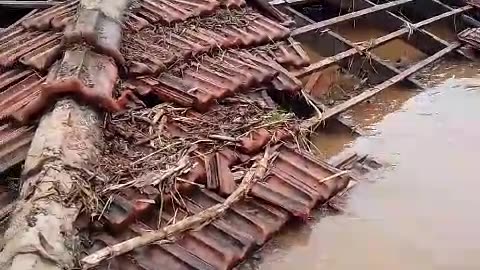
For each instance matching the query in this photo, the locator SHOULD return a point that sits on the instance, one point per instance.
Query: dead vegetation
(153, 146)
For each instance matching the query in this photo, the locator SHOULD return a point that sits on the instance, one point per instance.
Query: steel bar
(371, 44)
(334, 111)
(346, 17)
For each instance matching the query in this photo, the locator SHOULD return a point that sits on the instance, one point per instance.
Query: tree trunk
(40, 235)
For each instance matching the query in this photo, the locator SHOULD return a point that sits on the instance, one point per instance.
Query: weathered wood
(40, 233)
(289, 2)
(466, 19)
(29, 4)
(380, 87)
(374, 43)
(348, 16)
(382, 69)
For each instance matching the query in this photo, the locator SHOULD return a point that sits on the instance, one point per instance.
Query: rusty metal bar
(334, 111)
(288, 2)
(346, 17)
(371, 44)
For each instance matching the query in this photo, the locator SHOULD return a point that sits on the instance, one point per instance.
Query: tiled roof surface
(165, 45)
(293, 187)
(191, 53)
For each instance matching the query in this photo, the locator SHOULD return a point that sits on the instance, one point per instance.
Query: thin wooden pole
(374, 43)
(380, 87)
(346, 17)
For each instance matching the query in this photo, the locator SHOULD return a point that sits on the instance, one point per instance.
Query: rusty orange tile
(43, 19)
(14, 145)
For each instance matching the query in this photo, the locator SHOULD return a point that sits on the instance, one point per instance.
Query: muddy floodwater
(417, 212)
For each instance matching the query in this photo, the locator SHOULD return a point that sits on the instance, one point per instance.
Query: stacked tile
(56, 17)
(32, 48)
(294, 185)
(470, 36)
(217, 77)
(164, 45)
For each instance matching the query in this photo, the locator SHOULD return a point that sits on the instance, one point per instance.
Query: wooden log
(40, 229)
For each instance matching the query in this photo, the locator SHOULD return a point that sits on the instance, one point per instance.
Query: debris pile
(192, 120)
(170, 131)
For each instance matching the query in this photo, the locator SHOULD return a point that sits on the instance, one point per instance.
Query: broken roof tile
(25, 42)
(21, 88)
(226, 241)
(14, 145)
(56, 16)
(290, 54)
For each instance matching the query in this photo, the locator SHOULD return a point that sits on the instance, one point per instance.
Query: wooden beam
(466, 19)
(334, 111)
(289, 2)
(432, 36)
(28, 4)
(382, 69)
(371, 44)
(346, 17)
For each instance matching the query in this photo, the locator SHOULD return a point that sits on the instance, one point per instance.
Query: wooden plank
(432, 36)
(346, 17)
(289, 2)
(28, 4)
(382, 68)
(466, 19)
(374, 43)
(334, 111)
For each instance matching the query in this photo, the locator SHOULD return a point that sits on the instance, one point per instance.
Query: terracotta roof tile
(20, 87)
(30, 43)
(55, 17)
(249, 223)
(471, 36)
(14, 145)
(165, 45)
(170, 11)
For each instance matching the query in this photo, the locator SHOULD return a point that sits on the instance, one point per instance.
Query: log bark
(40, 235)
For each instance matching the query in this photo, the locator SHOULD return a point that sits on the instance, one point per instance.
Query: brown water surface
(420, 211)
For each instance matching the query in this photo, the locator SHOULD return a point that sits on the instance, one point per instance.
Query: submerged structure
(174, 133)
